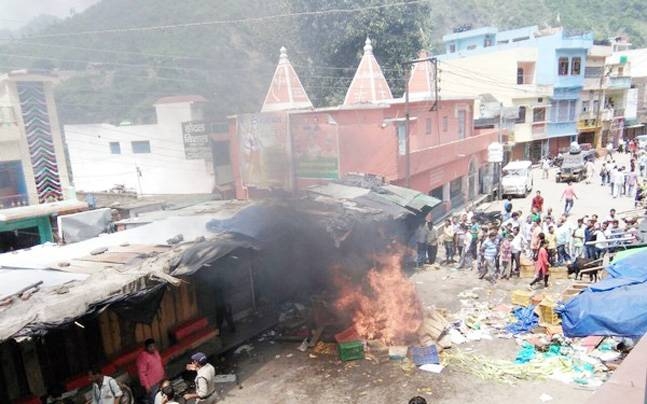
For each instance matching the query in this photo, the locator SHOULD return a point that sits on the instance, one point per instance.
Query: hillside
(117, 75)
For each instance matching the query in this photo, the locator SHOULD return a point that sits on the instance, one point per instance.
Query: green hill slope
(115, 76)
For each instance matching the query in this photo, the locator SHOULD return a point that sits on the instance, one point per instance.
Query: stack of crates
(546, 312)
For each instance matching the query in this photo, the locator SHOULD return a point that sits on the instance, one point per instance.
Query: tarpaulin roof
(80, 278)
(117, 268)
(391, 199)
(630, 266)
(13, 281)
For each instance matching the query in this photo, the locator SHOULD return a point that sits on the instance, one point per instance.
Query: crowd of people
(152, 377)
(494, 249)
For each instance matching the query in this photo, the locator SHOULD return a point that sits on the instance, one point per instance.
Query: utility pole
(598, 119)
(407, 113)
(138, 171)
(407, 119)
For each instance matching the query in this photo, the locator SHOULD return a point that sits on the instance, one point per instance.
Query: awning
(410, 198)
(44, 209)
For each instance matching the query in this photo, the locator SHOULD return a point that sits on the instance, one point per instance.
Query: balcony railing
(12, 201)
(618, 112)
(619, 82)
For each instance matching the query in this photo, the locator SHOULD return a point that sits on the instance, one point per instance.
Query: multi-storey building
(540, 72)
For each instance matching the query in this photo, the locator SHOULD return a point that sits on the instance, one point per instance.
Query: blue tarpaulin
(614, 306)
(527, 320)
(631, 266)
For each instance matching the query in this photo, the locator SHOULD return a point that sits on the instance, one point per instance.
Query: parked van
(517, 178)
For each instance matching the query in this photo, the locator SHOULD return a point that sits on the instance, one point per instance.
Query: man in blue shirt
(489, 252)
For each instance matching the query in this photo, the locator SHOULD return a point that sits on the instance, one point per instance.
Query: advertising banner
(315, 146)
(196, 140)
(263, 150)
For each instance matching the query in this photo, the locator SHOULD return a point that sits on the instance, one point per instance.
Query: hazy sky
(16, 13)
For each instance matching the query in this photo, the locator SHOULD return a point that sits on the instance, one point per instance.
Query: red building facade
(296, 147)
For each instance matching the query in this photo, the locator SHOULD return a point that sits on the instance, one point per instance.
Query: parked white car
(517, 178)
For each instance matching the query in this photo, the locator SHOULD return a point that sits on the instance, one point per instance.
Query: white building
(172, 156)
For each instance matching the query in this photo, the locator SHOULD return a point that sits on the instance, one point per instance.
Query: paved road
(593, 198)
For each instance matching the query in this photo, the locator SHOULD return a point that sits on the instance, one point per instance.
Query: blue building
(540, 72)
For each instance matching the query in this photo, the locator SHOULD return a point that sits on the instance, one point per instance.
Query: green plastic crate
(350, 351)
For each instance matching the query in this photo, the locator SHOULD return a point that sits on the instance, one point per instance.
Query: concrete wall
(163, 171)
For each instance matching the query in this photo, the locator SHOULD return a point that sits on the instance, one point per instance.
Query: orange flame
(385, 305)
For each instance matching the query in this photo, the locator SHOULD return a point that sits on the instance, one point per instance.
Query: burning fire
(384, 305)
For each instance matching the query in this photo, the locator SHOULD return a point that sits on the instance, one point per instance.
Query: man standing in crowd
(537, 203)
(150, 369)
(590, 171)
(507, 209)
(432, 243)
(448, 241)
(562, 241)
(516, 247)
(421, 244)
(489, 252)
(105, 389)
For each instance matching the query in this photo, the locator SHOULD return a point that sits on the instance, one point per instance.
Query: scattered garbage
(243, 348)
(432, 367)
(527, 320)
(424, 355)
(228, 378)
(545, 397)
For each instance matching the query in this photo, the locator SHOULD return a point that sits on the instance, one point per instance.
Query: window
(461, 123)
(456, 187)
(563, 111)
(522, 115)
(141, 147)
(437, 193)
(445, 124)
(428, 126)
(576, 66)
(519, 75)
(572, 109)
(585, 106)
(539, 114)
(115, 148)
(487, 42)
(452, 48)
(563, 66)
(470, 47)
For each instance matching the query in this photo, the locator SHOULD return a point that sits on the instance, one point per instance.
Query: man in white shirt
(516, 246)
(205, 385)
(105, 389)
